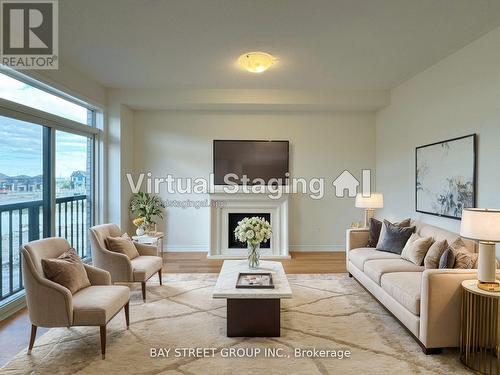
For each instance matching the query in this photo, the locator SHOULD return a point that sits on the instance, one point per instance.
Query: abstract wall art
(445, 177)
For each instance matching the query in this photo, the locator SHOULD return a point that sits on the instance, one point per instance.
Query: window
(19, 92)
(47, 174)
(74, 189)
(21, 196)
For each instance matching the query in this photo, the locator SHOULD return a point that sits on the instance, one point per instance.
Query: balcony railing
(23, 222)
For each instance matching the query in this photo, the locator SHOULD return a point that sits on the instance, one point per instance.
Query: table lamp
(375, 200)
(483, 224)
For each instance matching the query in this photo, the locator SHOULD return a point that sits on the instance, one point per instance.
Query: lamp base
(490, 286)
(369, 213)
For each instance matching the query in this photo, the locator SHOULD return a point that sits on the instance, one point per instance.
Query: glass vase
(253, 255)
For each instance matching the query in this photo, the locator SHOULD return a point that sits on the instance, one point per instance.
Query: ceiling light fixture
(256, 62)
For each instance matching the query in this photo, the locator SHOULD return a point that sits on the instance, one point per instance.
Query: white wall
(321, 145)
(458, 96)
(120, 149)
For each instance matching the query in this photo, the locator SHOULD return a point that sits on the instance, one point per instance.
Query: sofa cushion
(358, 257)
(404, 287)
(96, 305)
(374, 269)
(144, 266)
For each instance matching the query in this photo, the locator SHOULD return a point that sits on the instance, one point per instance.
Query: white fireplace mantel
(223, 203)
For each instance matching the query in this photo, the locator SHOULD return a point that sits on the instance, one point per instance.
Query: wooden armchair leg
(103, 341)
(159, 275)
(127, 317)
(32, 338)
(143, 285)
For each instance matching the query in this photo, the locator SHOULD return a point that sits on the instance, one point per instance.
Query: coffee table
(252, 312)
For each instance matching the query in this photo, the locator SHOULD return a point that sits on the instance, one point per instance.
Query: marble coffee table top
(226, 283)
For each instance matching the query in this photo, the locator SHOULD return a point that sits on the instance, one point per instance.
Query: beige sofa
(426, 302)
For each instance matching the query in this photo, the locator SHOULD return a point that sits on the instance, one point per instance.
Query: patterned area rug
(330, 312)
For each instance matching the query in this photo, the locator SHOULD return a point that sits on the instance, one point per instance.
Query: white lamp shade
(375, 200)
(480, 224)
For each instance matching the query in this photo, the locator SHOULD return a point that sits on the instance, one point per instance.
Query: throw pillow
(464, 259)
(374, 232)
(394, 238)
(122, 246)
(432, 257)
(416, 248)
(381, 233)
(67, 270)
(447, 260)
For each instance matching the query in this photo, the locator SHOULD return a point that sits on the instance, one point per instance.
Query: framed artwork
(445, 177)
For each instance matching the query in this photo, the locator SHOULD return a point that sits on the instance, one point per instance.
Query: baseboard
(185, 248)
(317, 248)
(296, 248)
(12, 305)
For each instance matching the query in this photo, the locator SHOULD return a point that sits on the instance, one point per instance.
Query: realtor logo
(29, 31)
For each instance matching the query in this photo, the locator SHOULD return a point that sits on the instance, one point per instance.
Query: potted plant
(253, 231)
(148, 207)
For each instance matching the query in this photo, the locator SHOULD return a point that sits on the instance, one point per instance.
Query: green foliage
(148, 206)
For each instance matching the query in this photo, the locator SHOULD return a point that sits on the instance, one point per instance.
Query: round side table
(480, 329)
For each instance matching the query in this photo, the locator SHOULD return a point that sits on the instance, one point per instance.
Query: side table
(155, 239)
(480, 329)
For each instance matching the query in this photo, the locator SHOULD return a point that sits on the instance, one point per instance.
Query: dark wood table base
(253, 317)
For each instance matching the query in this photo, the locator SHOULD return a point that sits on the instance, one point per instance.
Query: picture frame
(446, 177)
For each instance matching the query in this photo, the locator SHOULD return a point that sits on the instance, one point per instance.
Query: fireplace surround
(226, 208)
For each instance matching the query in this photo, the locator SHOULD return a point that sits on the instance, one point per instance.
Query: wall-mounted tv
(256, 159)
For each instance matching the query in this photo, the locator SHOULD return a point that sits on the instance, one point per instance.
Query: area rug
(328, 312)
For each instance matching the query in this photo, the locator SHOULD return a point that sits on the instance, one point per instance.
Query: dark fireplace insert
(233, 219)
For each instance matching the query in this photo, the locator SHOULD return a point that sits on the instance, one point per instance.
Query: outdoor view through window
(25, 173)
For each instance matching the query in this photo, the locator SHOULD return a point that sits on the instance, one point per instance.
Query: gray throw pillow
(374, 232)
(447, 259)
(394, 238)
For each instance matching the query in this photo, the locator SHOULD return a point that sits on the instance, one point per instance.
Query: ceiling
(320, 44)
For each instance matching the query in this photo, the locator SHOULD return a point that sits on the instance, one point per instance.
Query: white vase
(140, 231)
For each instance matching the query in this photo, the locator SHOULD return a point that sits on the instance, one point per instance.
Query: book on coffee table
(255, 280)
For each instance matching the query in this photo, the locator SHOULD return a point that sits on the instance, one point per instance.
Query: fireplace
(226, 209)
(232, 223)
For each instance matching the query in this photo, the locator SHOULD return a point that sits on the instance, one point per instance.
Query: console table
(480, 329)
(252, 312)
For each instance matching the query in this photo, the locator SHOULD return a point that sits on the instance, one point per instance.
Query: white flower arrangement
(253, 230)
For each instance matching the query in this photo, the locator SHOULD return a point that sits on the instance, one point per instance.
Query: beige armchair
(52, 305)
(121, 268)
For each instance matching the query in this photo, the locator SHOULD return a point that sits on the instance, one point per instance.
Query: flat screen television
(255, 159)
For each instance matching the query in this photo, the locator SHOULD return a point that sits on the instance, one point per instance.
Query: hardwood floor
(301, 262)
(15, 331)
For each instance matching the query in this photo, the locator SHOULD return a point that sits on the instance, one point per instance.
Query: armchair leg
(159, 276)
(143, 285)
(32, 338)
(127, 319)
(103, 341)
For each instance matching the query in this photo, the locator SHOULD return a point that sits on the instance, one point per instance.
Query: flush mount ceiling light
(256, 62)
